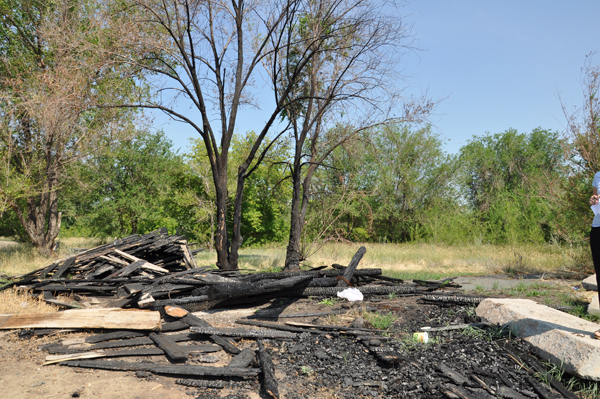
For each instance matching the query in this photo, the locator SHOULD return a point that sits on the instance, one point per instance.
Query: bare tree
(350, 85)
(209, 53)
(50, 85)
(583, 123)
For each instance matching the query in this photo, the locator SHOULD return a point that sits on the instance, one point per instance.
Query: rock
(359, 322)
(321, 354)
(590, 283)
(374, 342)
(594, 307)
(561, 338)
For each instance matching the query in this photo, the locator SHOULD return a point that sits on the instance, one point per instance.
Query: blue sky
(498, 64)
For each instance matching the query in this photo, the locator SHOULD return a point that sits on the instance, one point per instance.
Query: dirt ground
(23, 376)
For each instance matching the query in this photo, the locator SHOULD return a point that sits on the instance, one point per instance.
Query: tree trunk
(300, 199)
(43, 220)
(237, 239)
(221, 237)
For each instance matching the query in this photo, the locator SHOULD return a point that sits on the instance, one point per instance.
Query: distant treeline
(389, 184)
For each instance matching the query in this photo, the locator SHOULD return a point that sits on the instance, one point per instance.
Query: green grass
(329, 301)
(381, 321)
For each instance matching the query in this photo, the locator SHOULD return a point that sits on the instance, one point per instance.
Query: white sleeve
(596, 181)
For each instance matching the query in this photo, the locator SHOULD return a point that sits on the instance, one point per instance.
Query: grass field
(425, 261)
(406, 261)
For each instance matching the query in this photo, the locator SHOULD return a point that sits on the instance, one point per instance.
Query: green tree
(135, 186)
(505, 178)
(52, 83)
(266, 196)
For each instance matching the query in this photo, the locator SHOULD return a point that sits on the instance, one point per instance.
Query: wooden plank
(171, 349)
(131, 319)
(174, 369)
(187, 257)
(147, 265)
(326, 327)
(63, 268)
(344, 280)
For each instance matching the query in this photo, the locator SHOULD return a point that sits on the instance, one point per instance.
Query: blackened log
(181, 301)
(239, 290)
(213, 384)
(453, 299)
(277, 326)
(272, 315)
(192, 320)
(269, 381)
(323, 282)
(173, 369)
(63, 268)
(243, 359)
(204, 348)
(118, 344)
(93, 339)
(349, 272)
(328, 327)
(447, 372)
(227, 346)
(244, 333)
(331, 291)
(169, 346)
(390, 279)
(314, 273)
(177, 325)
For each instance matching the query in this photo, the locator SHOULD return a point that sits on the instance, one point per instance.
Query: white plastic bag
(351, 294)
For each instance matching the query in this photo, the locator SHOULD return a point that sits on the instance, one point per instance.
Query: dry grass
(15, 301)
(17, 258)
(423, 260)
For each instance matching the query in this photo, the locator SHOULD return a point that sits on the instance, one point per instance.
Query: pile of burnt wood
(155, 270)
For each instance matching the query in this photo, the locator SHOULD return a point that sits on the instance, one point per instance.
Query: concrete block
(556, 336)
(593, 307)
(590, 283)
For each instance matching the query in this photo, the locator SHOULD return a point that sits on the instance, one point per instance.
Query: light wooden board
(112, 318)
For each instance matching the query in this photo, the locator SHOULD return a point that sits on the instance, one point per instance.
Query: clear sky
(498, 64)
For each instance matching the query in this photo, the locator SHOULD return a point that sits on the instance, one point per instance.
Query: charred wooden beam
(344, 280)
(269, 381)
(171, 349)
(244, 333)
(173, 369)
(227, 346)
(243, 359)
(213, 384)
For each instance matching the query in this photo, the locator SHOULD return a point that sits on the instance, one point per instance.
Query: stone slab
(564, 339)
(593, 307)
(590, 283)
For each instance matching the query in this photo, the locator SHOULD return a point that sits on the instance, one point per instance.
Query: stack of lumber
(155, 270)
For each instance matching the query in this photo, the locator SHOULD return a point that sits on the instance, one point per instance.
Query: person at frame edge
(595, 236)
